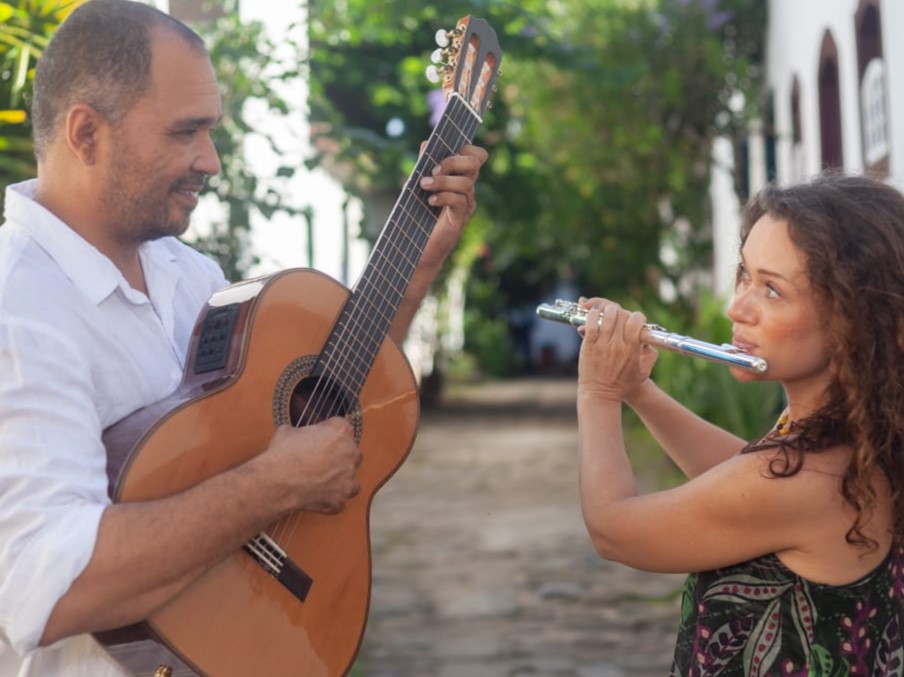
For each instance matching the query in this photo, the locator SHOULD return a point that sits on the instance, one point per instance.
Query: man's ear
(84, 128)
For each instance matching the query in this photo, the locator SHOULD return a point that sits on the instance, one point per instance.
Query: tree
(600, 136)
(25, 29)
(629, 123)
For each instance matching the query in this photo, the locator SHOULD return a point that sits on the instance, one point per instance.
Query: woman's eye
(772, 292)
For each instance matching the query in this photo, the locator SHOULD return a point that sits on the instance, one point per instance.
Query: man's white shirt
(79, 350)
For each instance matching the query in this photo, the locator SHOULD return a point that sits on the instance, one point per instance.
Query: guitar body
(251, 623)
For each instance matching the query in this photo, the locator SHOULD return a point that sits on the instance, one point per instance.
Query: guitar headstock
(468, 61)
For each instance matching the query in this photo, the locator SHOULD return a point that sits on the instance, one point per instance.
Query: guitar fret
(394, 266)
(364, 311)
(418, 244)
(389, 280)
(424, 207)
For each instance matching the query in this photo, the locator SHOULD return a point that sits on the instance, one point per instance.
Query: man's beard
(138, 209)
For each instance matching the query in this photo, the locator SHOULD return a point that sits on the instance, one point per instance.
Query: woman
(792, 540)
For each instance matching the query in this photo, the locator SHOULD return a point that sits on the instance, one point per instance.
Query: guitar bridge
(274, 560)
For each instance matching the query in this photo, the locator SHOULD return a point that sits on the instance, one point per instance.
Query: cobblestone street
(482, 566)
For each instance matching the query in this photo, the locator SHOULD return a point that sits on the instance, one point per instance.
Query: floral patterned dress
(759, 619)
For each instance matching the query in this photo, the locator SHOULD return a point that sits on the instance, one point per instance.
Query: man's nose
(208, 159)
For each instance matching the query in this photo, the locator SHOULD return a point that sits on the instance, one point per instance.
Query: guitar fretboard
(351, 348)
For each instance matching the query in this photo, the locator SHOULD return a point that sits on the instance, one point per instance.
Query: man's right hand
(316, 465)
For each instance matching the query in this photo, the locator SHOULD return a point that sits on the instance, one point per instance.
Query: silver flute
(572, 313)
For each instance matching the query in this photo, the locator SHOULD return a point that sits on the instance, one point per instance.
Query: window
(871, 68)
(872, 110)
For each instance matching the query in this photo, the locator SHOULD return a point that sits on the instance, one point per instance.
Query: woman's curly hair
(851, 230)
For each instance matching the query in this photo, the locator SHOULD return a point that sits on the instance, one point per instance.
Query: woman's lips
(742, 343)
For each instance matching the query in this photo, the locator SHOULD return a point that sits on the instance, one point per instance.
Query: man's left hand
(452, 187)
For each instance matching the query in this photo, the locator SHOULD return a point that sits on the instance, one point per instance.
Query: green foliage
(369, 94)
(600, 136)
(627, 123)
(490, 345)
(25, 29)
(248, 68)
(607, 109)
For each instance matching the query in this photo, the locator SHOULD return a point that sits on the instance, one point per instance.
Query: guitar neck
(365, 320)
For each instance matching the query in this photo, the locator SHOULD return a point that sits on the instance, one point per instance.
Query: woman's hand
(613, 359)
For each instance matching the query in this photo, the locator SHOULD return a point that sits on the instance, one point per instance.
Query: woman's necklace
(784, 425)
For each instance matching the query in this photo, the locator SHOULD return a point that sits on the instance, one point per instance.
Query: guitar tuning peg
(433, 74)
(442, 37)
(437, 56)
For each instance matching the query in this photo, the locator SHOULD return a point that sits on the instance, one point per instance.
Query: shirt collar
(92, 272)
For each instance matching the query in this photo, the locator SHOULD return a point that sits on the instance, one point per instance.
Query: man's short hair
(100, 56)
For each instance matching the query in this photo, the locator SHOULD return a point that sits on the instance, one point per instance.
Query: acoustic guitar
(294, 347)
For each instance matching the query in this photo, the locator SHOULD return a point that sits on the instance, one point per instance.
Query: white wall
(796, 31)
(725, 215)
(794, 40)
(281, 242)
(893, 46)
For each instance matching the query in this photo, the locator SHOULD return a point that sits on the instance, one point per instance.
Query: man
(97, 304)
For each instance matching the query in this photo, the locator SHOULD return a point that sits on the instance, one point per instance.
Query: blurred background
(624, 136)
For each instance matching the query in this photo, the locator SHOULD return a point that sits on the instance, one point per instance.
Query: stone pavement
(481, 564)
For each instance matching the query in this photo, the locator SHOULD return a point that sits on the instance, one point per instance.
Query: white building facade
(834, 97)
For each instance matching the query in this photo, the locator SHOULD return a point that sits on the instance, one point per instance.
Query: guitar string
(408, 198)
(408, 247)
(336, 352)
(417, 199)
(358, 312)
(397, 236)
(349, 330)
(319, 397)
(348, 370)
(338, 362)
(376, 333)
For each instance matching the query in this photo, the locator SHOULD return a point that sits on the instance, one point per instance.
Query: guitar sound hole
(317, 398)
